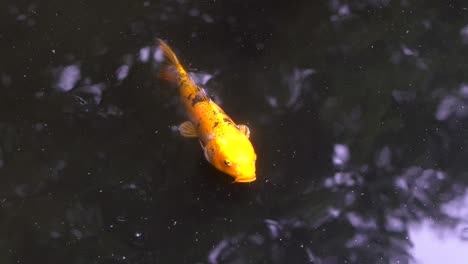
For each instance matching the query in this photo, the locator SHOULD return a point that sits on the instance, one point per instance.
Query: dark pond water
(358, 112)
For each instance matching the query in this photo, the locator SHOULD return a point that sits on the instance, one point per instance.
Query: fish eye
(227, 163)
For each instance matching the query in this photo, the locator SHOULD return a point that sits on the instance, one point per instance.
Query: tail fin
(173, 68)
(169, 55)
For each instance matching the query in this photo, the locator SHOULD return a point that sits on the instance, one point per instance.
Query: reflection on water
(358, 112)
(68, 77)
(430, 246)
(436, 244)
(454, 105)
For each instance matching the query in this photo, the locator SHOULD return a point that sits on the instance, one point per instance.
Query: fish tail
(173, 71)
(169, 55)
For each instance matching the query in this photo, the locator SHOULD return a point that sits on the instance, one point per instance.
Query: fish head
(234, 156)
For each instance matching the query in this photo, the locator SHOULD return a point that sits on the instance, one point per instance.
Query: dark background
(358, 112)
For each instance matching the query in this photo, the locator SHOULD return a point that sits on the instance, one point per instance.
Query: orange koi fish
(225, 145)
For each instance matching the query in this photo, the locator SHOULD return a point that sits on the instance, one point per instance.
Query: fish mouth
(245, 179)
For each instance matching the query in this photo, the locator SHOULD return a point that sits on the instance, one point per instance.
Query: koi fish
(225, 144)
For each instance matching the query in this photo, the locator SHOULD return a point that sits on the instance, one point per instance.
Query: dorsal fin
(203, 94)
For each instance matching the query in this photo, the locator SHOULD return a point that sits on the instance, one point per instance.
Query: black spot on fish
(197, 99)
(228, 120)
(215, 124)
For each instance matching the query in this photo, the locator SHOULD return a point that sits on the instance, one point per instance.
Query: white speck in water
(340, 155)
(272, 101)
(216, 251)
(144, 54)
(329, 182)
(122, 72)
(408, 51)
(295, 82)
(274, 227)
(344, 10)
(344, 178)
(137, 234)
(334, 212)
(446, 107)
(158, 55)
(68, 77)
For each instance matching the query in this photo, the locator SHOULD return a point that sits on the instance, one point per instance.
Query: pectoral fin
(209, 152)
(244, 130)
(187, 129)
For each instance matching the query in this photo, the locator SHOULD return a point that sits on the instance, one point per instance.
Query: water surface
(358, 113)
